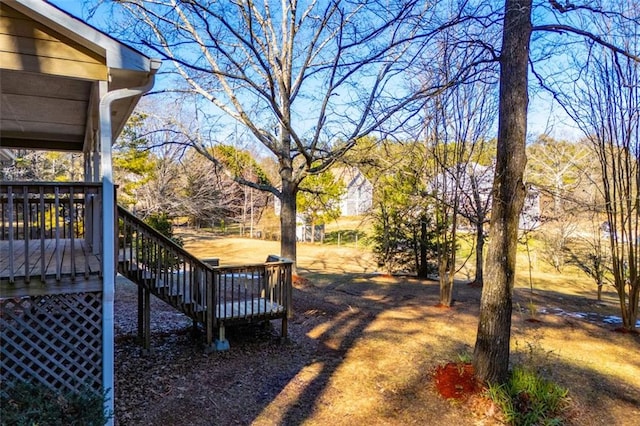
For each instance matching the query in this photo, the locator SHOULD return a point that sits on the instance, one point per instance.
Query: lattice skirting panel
(55, 340)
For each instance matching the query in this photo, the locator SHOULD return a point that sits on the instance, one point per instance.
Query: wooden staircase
(210, 295)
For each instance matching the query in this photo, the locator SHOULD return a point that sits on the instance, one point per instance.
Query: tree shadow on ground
(369, 340)
(247, 379)
(571, 307)
(359, 334)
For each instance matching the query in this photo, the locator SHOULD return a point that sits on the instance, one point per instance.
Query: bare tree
(306, 81)
(455, 188)
(462, 119)
(207, 197)
(491, 354)
(590, 250)
(160, 193)
(557, 168)
(457, 121)
(605, 103)
(475, 208)
(591, 254)
(556, 236)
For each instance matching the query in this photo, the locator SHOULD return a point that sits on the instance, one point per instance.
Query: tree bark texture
(423, 267)
(479, 279)
(288, 216)
(446, 288)
(491, 354)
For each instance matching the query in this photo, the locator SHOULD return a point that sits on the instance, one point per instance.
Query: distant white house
(358, 196)
(479, 179)
(530, 216)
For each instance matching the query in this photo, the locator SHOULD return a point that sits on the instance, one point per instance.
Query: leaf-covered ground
(362, 350)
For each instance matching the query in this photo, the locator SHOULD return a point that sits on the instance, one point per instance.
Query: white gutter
(109, 226)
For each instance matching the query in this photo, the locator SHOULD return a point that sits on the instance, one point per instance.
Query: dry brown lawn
(362, 351)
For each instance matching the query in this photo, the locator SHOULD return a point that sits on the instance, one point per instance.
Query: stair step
(195, 308)
(164, 286)
(177, 297)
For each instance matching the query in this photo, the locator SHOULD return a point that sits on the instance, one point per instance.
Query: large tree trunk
(491, 354)
(288, 216)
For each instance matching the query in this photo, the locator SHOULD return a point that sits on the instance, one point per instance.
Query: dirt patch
(362, 349)
(456, 380)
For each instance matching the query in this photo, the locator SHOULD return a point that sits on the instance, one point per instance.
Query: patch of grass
(530, 308)
(465, 357)
(28, 404)
(529, 399)
(348, 236)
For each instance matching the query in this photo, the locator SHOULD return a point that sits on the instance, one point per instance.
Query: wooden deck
(47, 267)
(242, 309)
(238, 296)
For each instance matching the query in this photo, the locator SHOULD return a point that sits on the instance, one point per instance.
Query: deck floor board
(71, 258)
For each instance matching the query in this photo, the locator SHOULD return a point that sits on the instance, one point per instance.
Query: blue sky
(544, 115)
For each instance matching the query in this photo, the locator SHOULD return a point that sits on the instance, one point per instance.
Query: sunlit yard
(364, 346)
(326, 213)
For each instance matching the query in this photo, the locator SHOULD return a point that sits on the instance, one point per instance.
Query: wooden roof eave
(126, 68)
(118, 55)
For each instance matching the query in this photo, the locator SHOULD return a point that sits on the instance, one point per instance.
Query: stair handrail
(282, 261)
(163, 238)
(212, 277)
(209, 319)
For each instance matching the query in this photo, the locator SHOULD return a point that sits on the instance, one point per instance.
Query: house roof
(50, 66)
(350, 176)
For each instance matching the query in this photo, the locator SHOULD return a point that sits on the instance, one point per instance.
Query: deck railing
(210, 295)
(247, 291)
(150, 258)
(40, 221)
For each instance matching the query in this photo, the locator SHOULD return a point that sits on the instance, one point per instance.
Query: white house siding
(358, 197)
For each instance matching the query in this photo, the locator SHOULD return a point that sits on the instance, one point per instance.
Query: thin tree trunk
(479, 280)
(313, 232)
(634, 304)
(491, 354)
(446, 274)
(446, 288)
(422, 262)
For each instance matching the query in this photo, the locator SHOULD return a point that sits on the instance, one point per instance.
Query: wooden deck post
(43, 270)
(147, 323)
(26, 219)
(210, 288)
(144, 319)
(140, 315)
(11, 234)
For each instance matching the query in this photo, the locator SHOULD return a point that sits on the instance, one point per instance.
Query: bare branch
(561, 29)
